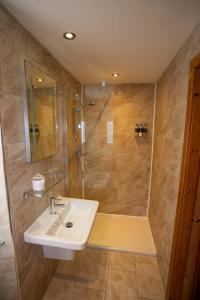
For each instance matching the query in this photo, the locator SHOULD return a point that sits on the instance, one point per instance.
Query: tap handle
(52, 200)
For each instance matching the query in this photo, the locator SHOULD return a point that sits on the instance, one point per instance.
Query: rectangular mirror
(39, 114)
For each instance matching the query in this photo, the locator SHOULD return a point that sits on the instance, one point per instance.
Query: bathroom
(97, 111)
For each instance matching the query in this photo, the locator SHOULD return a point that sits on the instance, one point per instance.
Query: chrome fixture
(77, 116)
(69, 35)
(53, 205)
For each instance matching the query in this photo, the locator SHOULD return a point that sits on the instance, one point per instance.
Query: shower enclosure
(116, 162)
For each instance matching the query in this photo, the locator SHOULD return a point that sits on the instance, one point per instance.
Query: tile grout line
(136, 278)
(106, 285)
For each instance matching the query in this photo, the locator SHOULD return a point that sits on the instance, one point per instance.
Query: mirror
(39, 114)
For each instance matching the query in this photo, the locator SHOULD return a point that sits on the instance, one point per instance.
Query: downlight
(69, 35)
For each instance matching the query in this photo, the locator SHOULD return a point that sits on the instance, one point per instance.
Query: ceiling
(136, 38)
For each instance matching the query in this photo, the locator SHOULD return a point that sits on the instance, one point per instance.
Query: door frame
(184, 216)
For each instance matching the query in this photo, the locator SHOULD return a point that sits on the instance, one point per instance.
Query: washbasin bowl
(62, 233)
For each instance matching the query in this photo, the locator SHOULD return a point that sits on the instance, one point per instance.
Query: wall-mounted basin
(62, 233)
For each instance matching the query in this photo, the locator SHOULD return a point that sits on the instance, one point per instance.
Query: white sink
(50, 231)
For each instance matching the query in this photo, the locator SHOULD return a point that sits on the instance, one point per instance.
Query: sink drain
(69, 224)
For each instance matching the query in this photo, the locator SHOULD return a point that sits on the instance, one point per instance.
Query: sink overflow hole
(69, 224)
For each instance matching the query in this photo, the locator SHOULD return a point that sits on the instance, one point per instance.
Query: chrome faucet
(53, 205)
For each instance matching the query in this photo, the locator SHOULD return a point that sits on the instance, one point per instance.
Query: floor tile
(90, 263)
(106, 275)
(122, 261)
(115, 293)
(121, 279)
(69, 287)
(142, 298)
(149, 283)
(85, 294)
(58, 289)
(88, 282)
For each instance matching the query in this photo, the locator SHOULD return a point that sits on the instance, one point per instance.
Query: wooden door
(184, 265)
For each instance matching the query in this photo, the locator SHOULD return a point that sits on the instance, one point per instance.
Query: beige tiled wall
(172, 89)
(16, 44)
(118, 174)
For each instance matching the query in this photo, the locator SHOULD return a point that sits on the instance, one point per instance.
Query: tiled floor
(106, 275)
(113, 232)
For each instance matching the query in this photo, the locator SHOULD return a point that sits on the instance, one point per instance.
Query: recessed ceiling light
(40, 79)
(115, 74)
(69, 35)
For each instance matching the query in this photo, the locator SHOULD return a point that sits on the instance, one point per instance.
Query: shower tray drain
(69, 224)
